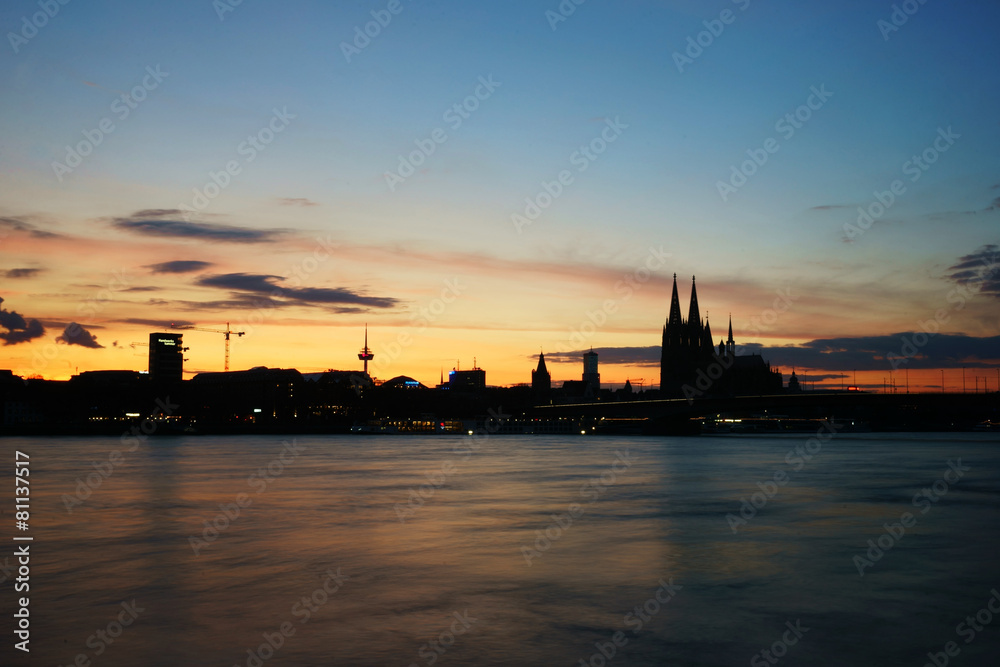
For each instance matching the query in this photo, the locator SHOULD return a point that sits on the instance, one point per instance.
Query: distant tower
(793, 384)
(541, 380)
(590, 375)
(730, 345)
(366, 354)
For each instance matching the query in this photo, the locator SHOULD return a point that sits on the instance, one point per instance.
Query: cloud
(978, 271)
(74, 334)
(157, 222)
(21, 273)
(148, 213)
(940, 350)
(23, 223)
(829, 207)
(296, 201)
(266, 286)
(18, 329)
(179, 266)
(162, 325)
(862, 353)
(632, 356)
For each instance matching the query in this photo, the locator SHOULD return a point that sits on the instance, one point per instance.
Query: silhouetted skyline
(488, 204)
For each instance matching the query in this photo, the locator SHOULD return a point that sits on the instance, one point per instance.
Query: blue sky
(655, 185)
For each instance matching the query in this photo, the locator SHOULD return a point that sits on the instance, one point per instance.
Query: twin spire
(694, 315)
(677, 325)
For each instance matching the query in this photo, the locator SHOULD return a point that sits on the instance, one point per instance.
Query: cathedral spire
(694, 318)
(730, 345)
(674, 320)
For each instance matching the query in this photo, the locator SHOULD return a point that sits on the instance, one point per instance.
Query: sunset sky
(487, 180)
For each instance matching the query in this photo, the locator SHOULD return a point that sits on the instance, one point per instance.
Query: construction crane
(227, 332)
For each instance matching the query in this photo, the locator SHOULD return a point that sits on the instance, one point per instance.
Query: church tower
(686, 344)
(541, 381)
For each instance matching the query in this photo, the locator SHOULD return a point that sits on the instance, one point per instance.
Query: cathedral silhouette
(692, 366)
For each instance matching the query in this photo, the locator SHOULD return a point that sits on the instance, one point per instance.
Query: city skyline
(508, 201)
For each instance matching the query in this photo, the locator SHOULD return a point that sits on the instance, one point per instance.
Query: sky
(479, 182)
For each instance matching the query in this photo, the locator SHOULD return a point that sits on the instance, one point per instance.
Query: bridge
(889, 411)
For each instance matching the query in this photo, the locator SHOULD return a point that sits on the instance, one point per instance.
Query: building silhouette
(474, 380)
(591, 377)
(691, 365)
(541, 380)
(366, 354)
(166, 357)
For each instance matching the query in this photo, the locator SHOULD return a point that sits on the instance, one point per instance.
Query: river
(500, 550)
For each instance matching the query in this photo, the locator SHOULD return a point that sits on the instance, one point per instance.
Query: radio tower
(366, 354)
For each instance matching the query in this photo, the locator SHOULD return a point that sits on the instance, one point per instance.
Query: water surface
(346, 512)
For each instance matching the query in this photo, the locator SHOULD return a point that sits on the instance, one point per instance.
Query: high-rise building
(591, 377)
(166, 357)
(474, 380)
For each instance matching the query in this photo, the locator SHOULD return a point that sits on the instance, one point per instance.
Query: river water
(508, 550)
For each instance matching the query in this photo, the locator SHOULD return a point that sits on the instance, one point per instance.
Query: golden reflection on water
(335, 509)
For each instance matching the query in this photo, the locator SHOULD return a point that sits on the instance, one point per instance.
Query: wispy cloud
(155, 324)
(25, 224)
(268, 288)
(21, 273)
(980, 268)
(631, 356)
(296, 201)
(179, 266)
(161, 223)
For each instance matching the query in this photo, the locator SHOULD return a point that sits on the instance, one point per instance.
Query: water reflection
(235, 559)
